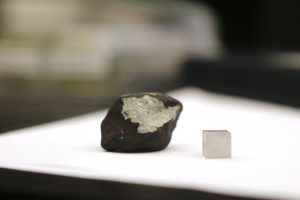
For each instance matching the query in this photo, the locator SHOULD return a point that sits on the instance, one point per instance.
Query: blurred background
(61, 58)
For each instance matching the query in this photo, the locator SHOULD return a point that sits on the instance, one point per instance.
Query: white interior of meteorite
(149, 112)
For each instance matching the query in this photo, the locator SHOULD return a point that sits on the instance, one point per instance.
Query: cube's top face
(216, 144)
(218, 135)
(215, 131)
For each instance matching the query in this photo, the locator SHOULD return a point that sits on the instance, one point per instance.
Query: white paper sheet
(265, 149)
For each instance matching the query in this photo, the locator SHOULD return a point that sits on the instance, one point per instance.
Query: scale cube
(216, 144)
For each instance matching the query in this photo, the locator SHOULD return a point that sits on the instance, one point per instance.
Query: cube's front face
(216, 144)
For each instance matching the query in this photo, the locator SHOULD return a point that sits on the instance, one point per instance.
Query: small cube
(216, 144)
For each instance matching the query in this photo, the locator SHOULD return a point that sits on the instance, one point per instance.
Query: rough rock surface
(140, 122)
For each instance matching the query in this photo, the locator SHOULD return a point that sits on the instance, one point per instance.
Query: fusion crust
(140, 122)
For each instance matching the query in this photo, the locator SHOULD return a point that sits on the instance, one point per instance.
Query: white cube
(216, 144)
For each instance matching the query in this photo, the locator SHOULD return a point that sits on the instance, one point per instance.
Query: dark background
(255, 26)
(248, 30)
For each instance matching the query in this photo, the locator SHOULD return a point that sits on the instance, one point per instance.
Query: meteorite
(140, 122)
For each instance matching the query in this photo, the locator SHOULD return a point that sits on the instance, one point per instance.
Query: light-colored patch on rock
(149, 112)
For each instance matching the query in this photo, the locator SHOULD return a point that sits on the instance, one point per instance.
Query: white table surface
(265, 149)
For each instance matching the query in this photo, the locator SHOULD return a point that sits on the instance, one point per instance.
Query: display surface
(265, 159)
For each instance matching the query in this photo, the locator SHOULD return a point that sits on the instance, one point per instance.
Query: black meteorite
(140, 122)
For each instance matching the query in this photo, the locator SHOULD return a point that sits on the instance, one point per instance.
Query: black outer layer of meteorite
(114, 127)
